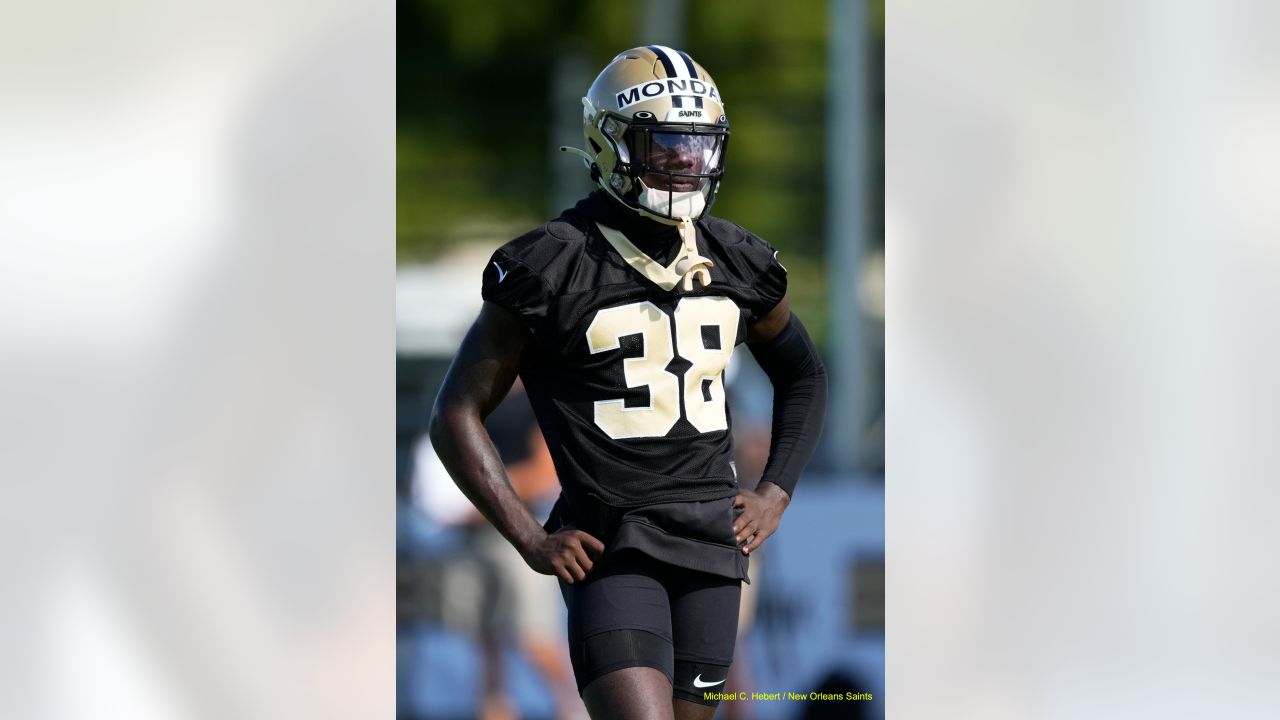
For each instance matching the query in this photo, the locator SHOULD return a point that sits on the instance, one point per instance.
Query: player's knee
(633, 693)
(686, 710)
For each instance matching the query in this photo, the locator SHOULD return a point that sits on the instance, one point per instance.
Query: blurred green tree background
(475, 88)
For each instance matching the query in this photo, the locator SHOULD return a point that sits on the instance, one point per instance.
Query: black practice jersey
(624, 369)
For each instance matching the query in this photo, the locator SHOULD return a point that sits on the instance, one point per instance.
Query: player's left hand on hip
(761, 511)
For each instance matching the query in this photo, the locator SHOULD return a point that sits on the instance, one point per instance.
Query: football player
(620, 317)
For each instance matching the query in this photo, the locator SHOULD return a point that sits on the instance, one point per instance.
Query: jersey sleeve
(750, 264)
(515, 286)
(763, 274)
(771, 285)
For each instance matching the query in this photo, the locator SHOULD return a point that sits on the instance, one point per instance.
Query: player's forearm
(798, 412)
(460, 439)
(799, 403)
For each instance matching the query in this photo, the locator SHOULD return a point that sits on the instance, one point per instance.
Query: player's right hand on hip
(567, 553)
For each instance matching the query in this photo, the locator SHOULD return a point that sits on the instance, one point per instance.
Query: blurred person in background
(449, 594)
(480, 585)
(620, 317)
(536, 616)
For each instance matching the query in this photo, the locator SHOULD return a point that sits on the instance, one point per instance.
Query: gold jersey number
(703, 379)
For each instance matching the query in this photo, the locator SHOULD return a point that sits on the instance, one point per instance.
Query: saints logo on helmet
(656, 133)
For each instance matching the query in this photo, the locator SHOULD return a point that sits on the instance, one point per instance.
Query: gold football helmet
(656, 133)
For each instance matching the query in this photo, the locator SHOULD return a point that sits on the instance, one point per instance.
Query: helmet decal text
(669, 86)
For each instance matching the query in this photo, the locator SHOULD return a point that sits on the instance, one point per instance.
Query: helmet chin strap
(689, 203)
(691, 265)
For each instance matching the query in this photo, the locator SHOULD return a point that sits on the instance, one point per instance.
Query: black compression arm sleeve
(799, 401)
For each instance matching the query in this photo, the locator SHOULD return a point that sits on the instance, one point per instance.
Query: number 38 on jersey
(700, 389)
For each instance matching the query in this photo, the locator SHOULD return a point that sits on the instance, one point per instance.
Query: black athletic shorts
(634, 611)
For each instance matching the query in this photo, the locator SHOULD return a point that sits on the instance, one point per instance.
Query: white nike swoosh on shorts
(697, 682)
